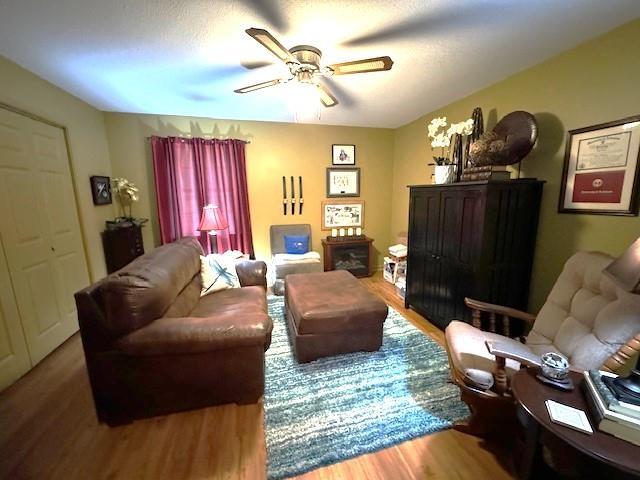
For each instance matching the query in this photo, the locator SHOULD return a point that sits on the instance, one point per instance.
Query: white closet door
(40, 230)
(14, 358)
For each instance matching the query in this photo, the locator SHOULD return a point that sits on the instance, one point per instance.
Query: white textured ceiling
(185, 57)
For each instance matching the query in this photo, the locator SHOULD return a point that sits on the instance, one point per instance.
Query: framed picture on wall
(342, 213)
(343, 154)
(600, 174)
(343, 182)
(100, 190)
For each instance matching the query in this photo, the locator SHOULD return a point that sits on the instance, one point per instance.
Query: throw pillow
(218, 273)
(296, 243)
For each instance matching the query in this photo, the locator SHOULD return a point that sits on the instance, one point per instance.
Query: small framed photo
(601, 169)
(101, 190)
(343, 154)
(343, 182)
(342, 213)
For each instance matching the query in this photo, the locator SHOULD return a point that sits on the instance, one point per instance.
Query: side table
(603, 454)
(348, 253)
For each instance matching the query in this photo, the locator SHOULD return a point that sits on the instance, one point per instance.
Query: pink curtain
(191, 173)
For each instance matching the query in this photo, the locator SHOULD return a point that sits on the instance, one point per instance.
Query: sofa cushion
(218, 272)
(296, 244)
(277, 233)
(145, 289)
(187, 299)
(245, 299)
(306, 265)
(175, 336)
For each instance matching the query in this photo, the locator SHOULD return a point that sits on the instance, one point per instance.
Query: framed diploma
(343, 182)
(601, 169)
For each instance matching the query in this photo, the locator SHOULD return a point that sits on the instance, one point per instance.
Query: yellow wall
(593, 83)
(276, 149)
(87, 144)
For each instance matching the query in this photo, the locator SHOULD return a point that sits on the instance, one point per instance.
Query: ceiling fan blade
(271, 12)
(443, 21)
(270, 43)
(258, 86)
(252, 65)
(377, 64)
(326, 97)
(346, 99)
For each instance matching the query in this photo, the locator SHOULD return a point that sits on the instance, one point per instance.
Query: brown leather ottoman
(330, 313)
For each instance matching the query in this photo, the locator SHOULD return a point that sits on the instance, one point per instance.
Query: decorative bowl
(554, 366)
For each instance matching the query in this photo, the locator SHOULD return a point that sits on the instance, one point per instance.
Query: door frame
(65, 133)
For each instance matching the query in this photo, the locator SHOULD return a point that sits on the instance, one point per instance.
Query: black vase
(457, 155)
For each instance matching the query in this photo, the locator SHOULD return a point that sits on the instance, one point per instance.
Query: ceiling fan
(304, 65)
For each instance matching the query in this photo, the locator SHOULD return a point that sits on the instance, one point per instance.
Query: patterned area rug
(337, 408)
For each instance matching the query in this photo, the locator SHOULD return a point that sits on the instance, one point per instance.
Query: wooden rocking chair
(587, 318)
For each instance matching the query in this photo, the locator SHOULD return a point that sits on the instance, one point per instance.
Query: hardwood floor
(48, 429)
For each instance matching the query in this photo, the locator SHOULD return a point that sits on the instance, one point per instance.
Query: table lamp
(212, 222)
(625, 272)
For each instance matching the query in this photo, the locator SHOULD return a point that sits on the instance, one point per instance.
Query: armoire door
(423, 268)
(461, 221)
(40, 230)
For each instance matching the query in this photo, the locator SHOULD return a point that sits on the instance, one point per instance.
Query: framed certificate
(343, 182)
(601, 169)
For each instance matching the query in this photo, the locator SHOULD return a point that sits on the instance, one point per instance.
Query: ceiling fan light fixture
(304, 76)
(304, 101)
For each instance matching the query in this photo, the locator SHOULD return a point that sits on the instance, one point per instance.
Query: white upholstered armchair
(282, 264)
(586, 317)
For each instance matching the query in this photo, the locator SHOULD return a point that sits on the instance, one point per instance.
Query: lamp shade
(212, 219)
(625, 270)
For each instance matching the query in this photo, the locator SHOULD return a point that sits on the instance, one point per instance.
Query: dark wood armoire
(472, 239)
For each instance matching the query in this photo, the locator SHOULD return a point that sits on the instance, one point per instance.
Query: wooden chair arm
(499, 310)
(477, 307)
(502, 351)
(521, 355)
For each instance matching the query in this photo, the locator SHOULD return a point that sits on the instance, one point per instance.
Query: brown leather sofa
(154, 346)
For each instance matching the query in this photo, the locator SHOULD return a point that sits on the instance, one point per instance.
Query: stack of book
(489, 172)
(617, 417)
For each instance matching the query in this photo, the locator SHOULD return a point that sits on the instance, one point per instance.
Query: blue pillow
(296, 243)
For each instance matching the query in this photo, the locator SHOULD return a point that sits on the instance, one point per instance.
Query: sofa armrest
(252, 273)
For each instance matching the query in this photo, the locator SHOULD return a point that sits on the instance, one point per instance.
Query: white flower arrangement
(126, 193)
(441, 137)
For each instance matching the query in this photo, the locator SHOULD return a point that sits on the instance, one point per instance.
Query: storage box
(401, 287)
(388, 273)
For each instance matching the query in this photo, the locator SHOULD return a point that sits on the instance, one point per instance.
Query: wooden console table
(348, 253)
(599, 455)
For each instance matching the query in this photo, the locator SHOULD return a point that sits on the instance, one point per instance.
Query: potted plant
(127, 194)
(445, 171)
